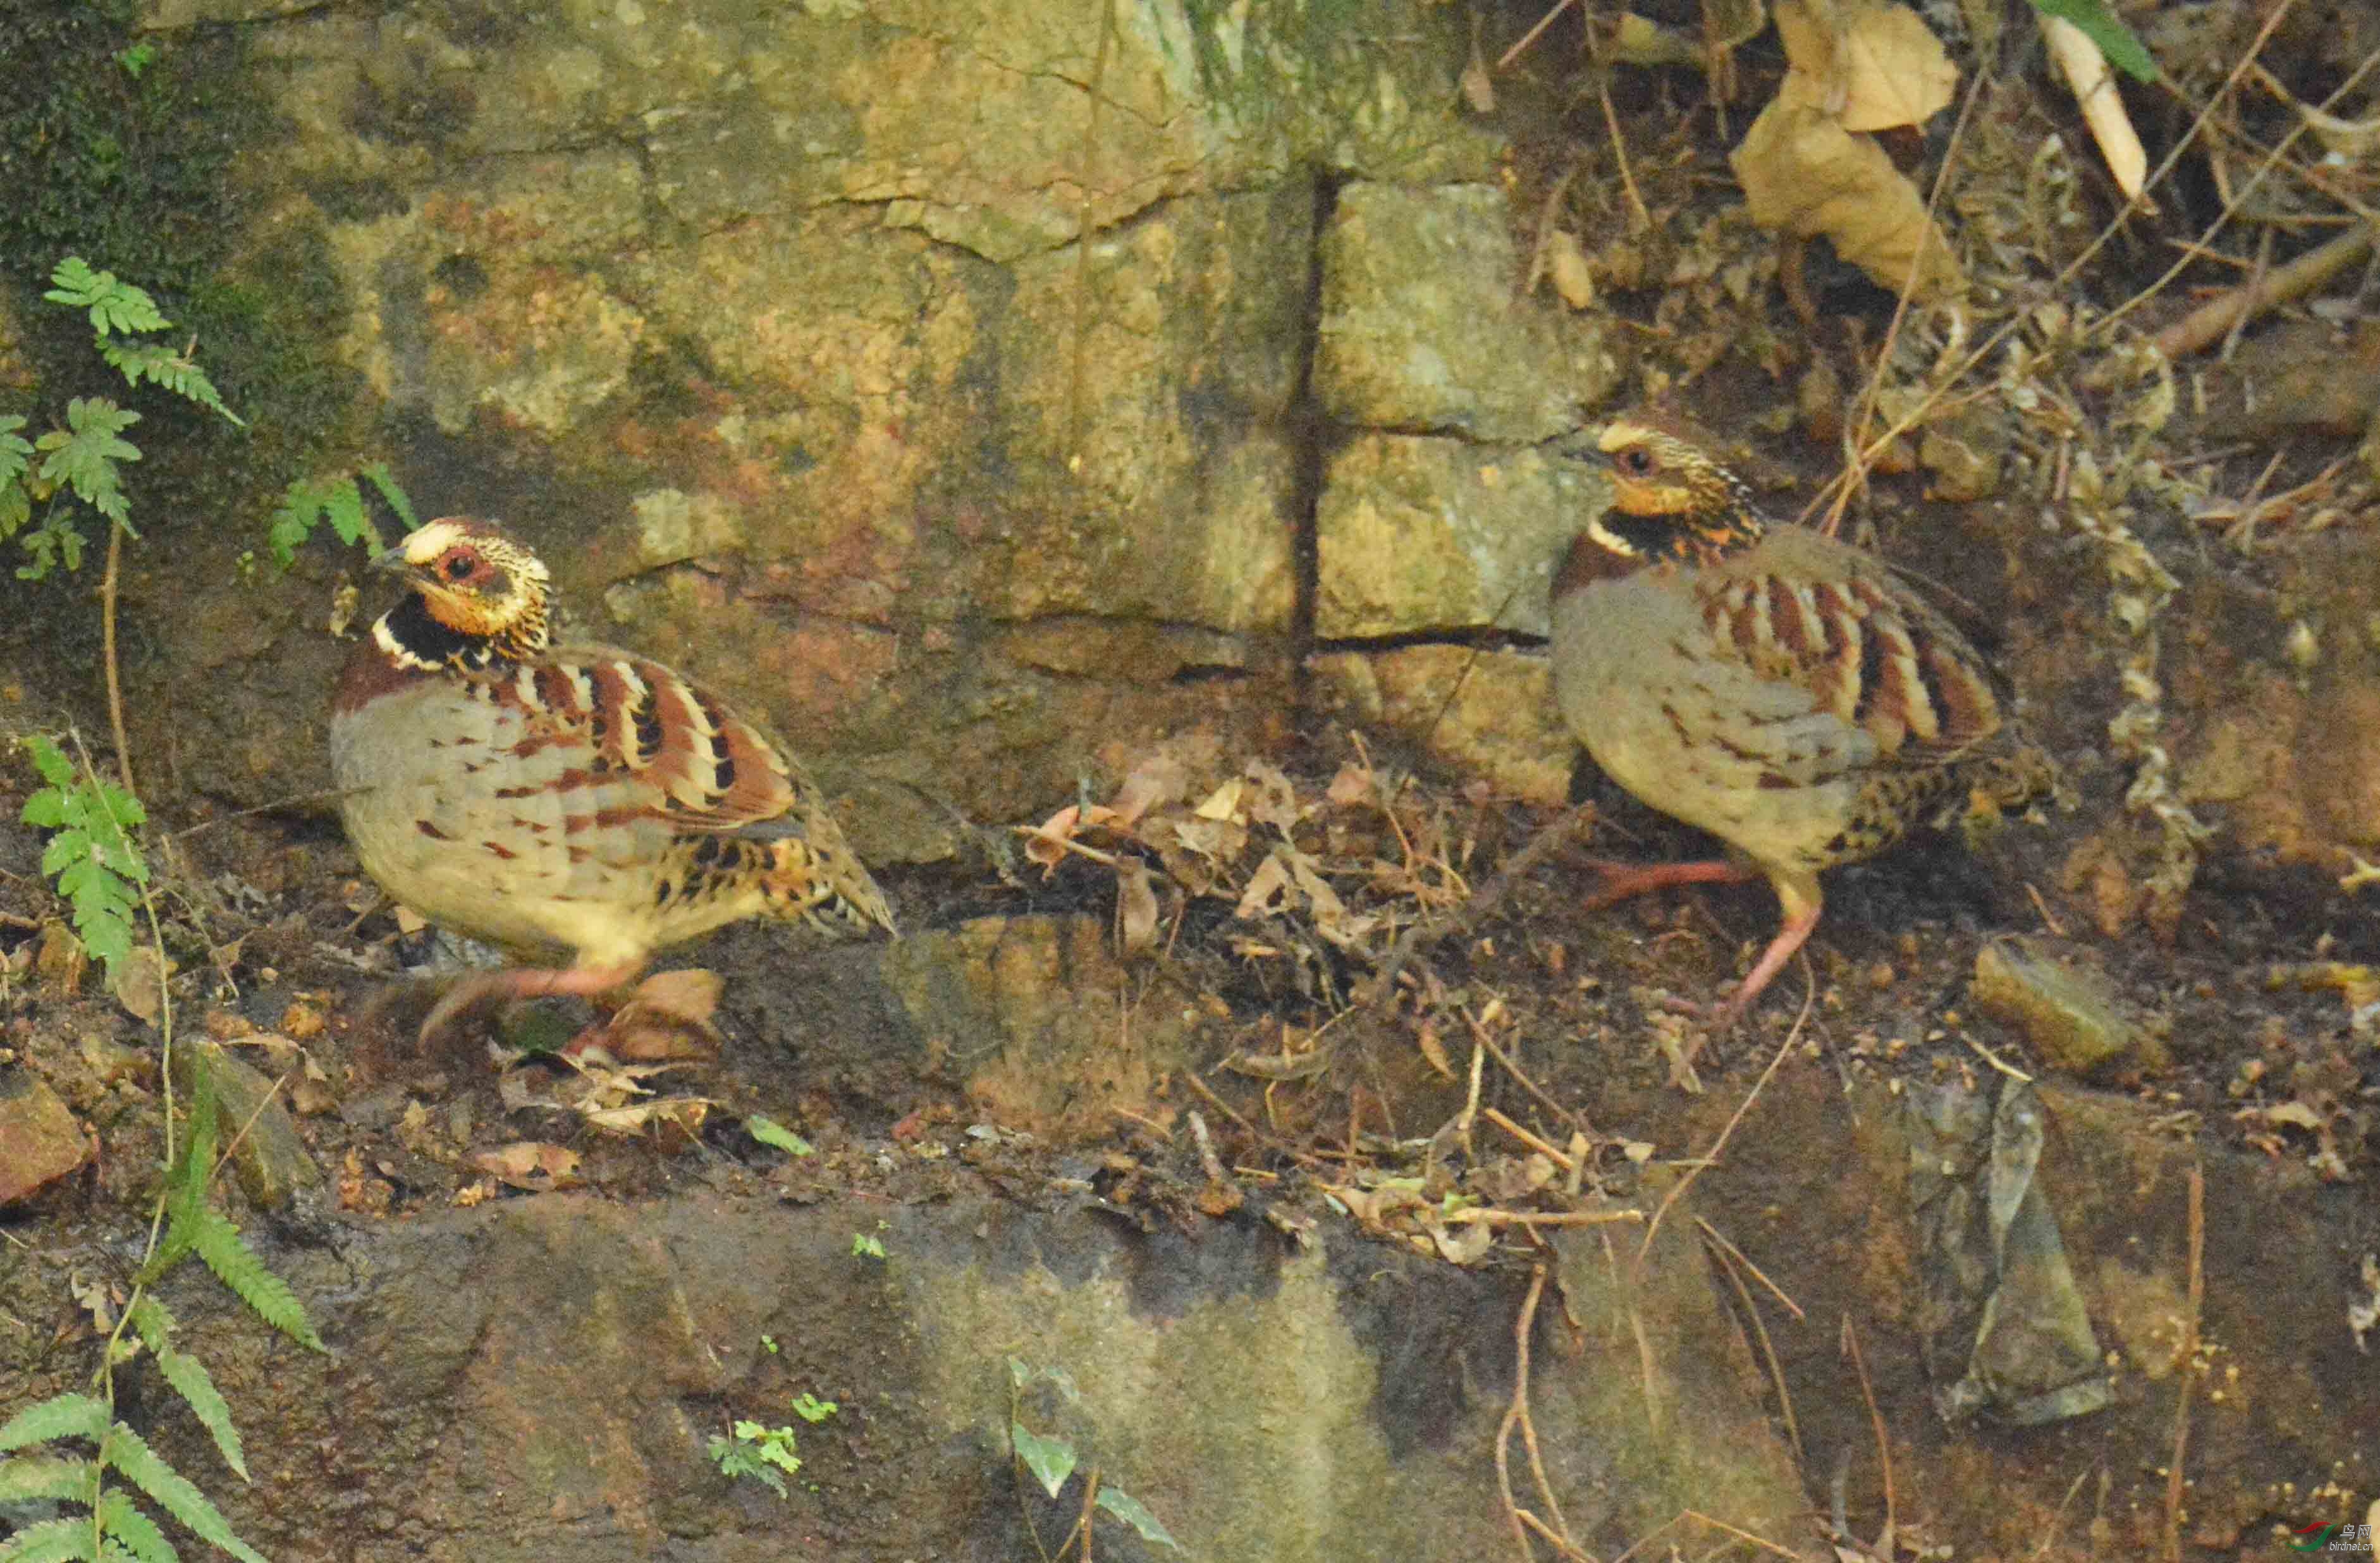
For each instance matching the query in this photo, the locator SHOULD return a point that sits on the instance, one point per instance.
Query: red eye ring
(458, 565)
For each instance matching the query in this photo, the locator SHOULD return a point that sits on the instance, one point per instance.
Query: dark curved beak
(391, 559)
(1581, 445)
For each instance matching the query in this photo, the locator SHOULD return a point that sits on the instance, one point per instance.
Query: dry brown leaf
(139, 983)
(2085, 70)
(533, 1165)
(1465, 1245)
(1267, 889)
(1274, 799)
(1866, 65)
(667, 1017)
(1435, 1051)
(1566, 265)
(1353, 784)
(1223, 803)
(1161, 777)
(1048, 842)
(676, 1121)
(1135, 908)
(1803, 173)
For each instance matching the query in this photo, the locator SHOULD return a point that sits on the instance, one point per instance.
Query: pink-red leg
(1798, 899)
(486, 988)
(1622, 880)
(1797, 895)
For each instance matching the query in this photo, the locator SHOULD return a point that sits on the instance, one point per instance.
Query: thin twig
(1511, 1420)
(1887, 1544)
(1530, 37)
(1738, 1255)
(1543, 1148)
(1711, 1155)
(1570, 1114)
(1190, 1078)
(1488, 1216)
(1928, 233)
(1471, 913)
(2173, 1478)
(1733, 1263)
(2229, 311)
(107, 655)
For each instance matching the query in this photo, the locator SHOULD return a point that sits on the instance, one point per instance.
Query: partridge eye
(1637, 460)
(458, 566)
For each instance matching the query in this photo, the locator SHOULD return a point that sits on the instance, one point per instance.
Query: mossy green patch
(120, 148)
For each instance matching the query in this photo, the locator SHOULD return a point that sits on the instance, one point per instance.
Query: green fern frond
(15, 448)
(391, 490)
(84, 454)
(60, 1416)
(217, 1242)
(121, 1521)
(30, 1478)
(189, 1378)
(186, 1180)
(91, 854)
(177, 373)
(126, 1452)
(52, 1541)
(340, 500)
(115, 306)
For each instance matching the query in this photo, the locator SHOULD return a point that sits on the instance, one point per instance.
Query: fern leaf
(31, 1477)
(392, 491)
(344, 510)
(60, 1416)
(52, 1541)
(120, 1521)
(102, 903)
(189, 1378)
(85, 454)
(236, 1265)
(185, 1181)
(115, 306)
(15, 448)
(177, 373)
(56, 768)
(174, 1492)
(191, 1381)
(152, 1320)
(293, 519)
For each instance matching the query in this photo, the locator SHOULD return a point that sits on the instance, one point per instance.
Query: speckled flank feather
(574, 798)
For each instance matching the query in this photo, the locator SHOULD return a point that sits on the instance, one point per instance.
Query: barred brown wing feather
(1864, 651)
(687, 761)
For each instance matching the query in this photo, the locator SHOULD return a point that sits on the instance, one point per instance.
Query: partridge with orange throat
(1788, 693)
(558, 800)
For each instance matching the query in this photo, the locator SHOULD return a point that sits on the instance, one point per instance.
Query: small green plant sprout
(92, 855)
(768, 1131)
(764, 1453)
(769, 1344)
(1051, 1461)
(812, 1409)
(340, 500)
(80, 465)
(866, 1246)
